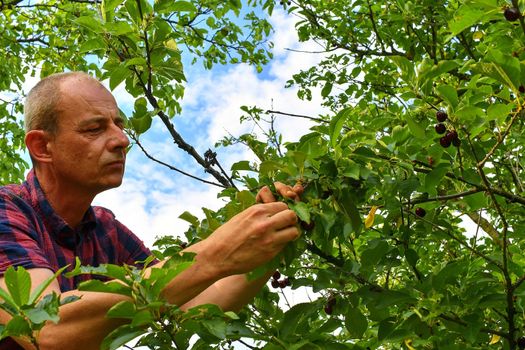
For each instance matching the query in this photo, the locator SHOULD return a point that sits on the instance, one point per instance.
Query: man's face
(89, 149)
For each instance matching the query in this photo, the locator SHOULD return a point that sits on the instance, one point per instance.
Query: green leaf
(326, 89)
(164, 6)
(268, 166)
(118, 28)
(411, 256)
(507, 66)
(18, 326)
(8, 304)
(142, 318)
(120, 336)
(105, 287)
(90, 22)
(449, 94)
(241, 165)
(92, 45)
(135, 61)
(376, 251)
(476, 201)
(111, 5)
(39, 316)
(292, 318)
(118, 75)
(302, 210)
(18, 284)
(499, 112)
(469, 113)
(192, 219)
(122, 309)
(141, 124)
(336, 125)
(356, 323)
(406, 66)
(433, 178)
(416, 129)
(465, 18)
(346, 203)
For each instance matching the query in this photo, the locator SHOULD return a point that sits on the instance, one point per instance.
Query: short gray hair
(40, 106)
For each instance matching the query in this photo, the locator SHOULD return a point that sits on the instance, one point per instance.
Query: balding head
(41, 102)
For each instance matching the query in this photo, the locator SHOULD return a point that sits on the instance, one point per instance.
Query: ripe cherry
(511, 14)
(445, 141)
(452, 135)
(276, 275)
(521, 343)
(275, 284)
(440, 128)
(521, 88)
(441, 116)
(307, 226)
(283, 283)
(421, 212)
(329, 306)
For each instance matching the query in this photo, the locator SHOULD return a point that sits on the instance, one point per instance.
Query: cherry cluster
(277, 282)
(450, 136)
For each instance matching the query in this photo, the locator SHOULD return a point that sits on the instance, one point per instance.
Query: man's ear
(37, 142)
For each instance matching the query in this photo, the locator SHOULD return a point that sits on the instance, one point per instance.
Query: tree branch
(137, 142)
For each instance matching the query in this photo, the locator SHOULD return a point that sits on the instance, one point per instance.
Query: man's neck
(69, 203)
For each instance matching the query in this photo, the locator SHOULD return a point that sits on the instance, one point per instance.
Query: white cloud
(152, 197)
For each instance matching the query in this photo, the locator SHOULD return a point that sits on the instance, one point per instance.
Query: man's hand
(265, 195)
(248, 240)
(251, 238)
(254, 236)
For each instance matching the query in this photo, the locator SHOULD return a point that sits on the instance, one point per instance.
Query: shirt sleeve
(19, 238)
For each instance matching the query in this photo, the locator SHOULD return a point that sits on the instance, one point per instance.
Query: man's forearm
(230, 293)
(83, 323)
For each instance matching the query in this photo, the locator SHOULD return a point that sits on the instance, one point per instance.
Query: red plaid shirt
(32, 235)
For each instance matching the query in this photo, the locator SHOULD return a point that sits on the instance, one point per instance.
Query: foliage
(29, 308)
(386, 196)
(135, 42)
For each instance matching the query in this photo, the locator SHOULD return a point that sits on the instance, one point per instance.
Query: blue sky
(152, 197)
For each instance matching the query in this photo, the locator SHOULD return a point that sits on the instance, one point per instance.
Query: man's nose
(119, 139)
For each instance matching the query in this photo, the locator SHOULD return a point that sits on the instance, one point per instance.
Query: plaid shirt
(33, 235)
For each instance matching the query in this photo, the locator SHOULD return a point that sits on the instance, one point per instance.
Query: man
(75, 138)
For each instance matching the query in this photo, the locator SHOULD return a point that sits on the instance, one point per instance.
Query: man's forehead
(86, 89)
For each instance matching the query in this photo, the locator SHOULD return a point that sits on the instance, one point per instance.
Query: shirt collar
(56, 226)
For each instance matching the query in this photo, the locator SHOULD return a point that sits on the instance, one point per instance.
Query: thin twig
(172, 167)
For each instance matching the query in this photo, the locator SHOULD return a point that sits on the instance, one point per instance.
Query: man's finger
(286, 235)
(286, 191)
(265, 195)
(298, 188)
(283, 219)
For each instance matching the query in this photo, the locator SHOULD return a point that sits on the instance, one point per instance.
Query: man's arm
(233, 292)
(250, 239)
(245, 242)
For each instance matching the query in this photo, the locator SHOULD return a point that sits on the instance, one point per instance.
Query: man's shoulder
(14, 193)
(104, 215)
